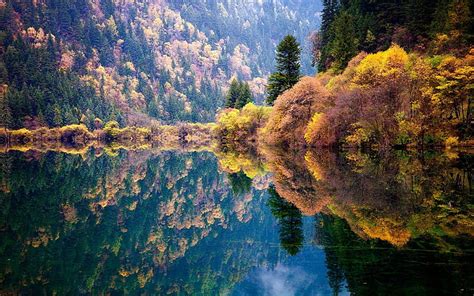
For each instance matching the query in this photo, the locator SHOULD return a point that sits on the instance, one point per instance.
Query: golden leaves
(370, 71)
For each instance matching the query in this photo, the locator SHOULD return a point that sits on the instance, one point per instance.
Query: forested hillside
(392, 74)
(72, 61)
(349, 27)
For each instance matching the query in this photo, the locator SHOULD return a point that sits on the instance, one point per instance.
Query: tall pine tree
(329, 13)
(239, 94)
(344, 45)
(5, 112)
(288, 68)
(232, 94)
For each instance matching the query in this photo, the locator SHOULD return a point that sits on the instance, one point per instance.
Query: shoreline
(80, 138)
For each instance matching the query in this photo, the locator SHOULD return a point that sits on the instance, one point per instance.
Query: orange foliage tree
(293, 110)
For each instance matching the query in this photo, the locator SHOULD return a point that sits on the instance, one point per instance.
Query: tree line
(349, 27)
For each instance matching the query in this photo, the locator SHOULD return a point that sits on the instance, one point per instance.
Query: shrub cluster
(235, 125)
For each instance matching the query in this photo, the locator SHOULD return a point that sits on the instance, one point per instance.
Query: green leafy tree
(287, 66)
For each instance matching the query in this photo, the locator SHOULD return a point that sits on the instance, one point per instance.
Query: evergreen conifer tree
(5, 112)
(288, 68)
(233, 94)
(239, 95)
(329, 13)
(344, 46)
(245, 96)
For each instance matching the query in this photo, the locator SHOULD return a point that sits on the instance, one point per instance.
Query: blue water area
(178, 223)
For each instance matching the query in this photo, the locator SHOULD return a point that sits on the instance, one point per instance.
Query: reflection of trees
(373, 267)
(5, 168)
(394, 223)
(240, 159)
(399, 197)
(393, 196)
(289, 220)
(293, 181)
(115, 224)
(118, 223)
(332, 229)
(240, 183)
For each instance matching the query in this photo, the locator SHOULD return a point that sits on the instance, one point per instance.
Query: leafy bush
(112, 130)
(451, 141)
(21, 136)
(376, 68)
(75, 133)
(313, 127)
(235, 125)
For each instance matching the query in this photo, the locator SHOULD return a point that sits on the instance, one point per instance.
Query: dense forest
(391, 74)
(349, 27)
(68, 62)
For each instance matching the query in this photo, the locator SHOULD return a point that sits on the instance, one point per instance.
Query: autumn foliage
(234, 125)
(385, 99)
(293, 110)
(390, 98)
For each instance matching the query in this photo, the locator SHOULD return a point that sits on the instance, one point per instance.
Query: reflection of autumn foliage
(235, 161)
(368, 267)
(293, 181)
(78, 139)
(135, 214)
(367, 224)
(395, 198)
(70, 213)
(392, 197)
(41, 239)
(241, 208)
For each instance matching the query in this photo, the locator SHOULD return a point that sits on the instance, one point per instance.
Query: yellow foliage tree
(377, 67)
(313, 127)
(235, 125)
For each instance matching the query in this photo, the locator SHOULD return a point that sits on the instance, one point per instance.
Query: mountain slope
(70, 61)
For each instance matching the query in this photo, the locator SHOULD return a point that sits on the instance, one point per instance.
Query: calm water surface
(192, 223)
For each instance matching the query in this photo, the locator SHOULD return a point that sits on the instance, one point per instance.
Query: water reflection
(374, 267)
(280, 223)
(290, 222)
(111, 223)
(395, 197)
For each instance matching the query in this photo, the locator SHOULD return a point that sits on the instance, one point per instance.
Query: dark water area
(202, 223)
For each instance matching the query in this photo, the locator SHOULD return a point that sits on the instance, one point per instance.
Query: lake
(229, 223)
